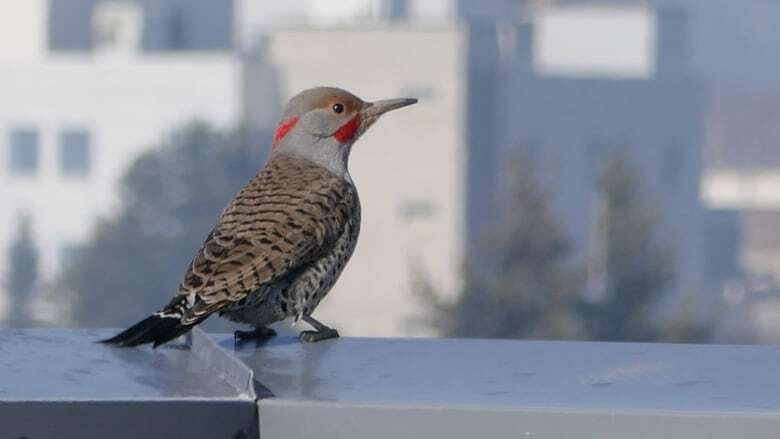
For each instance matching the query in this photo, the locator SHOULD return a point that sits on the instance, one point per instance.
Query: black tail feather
(153, 329)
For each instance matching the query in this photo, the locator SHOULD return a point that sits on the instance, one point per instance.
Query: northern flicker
(284, 239)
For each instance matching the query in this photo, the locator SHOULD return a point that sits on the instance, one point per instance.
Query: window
(23, 151)
(74, 152)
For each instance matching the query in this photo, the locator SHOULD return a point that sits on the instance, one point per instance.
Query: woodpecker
(282, 242)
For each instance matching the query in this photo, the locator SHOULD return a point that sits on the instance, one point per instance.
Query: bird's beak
(372, 110)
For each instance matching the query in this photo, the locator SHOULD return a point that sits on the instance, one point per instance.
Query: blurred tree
(638, 261)
(22, 276)
(517, 282)
(686, 326)
(170, 198)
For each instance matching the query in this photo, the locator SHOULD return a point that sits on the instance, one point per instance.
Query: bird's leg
(259, 333)
(322, 332)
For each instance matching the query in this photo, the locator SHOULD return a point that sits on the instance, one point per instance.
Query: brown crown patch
(351, 103)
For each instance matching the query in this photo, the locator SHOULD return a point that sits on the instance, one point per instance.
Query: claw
(315, 336)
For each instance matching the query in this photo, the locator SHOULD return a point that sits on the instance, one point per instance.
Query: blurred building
(588, 79)
(72, 121)
(255, 18)
(732, 47)
(742, 156)
(164, 25)
(743, 175)
(98, 82)
(89, 84)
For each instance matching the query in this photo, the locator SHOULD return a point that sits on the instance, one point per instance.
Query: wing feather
(290, 214)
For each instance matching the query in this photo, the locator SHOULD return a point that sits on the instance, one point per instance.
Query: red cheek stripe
(283, 129)
(347, 131)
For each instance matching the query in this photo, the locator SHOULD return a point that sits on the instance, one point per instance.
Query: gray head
(321, 124)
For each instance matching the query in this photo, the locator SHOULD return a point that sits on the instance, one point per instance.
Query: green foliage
(638, 260)
(170, 199)
(518, 282)
(22, 275)
(520, 285)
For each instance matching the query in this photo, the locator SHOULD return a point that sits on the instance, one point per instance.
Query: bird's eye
(338, 108)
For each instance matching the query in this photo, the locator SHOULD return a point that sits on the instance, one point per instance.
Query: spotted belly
(299, 293)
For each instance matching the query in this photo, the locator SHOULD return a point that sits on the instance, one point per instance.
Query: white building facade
(71, 123)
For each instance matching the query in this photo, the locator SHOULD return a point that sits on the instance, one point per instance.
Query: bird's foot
(258, 334)
(315, 336)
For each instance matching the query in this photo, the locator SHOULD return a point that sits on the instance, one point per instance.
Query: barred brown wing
(290, 214)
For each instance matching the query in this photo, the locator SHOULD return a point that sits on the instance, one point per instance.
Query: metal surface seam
(224, 364)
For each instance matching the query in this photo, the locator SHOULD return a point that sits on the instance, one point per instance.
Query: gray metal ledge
(61, 384)
(391, 388)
